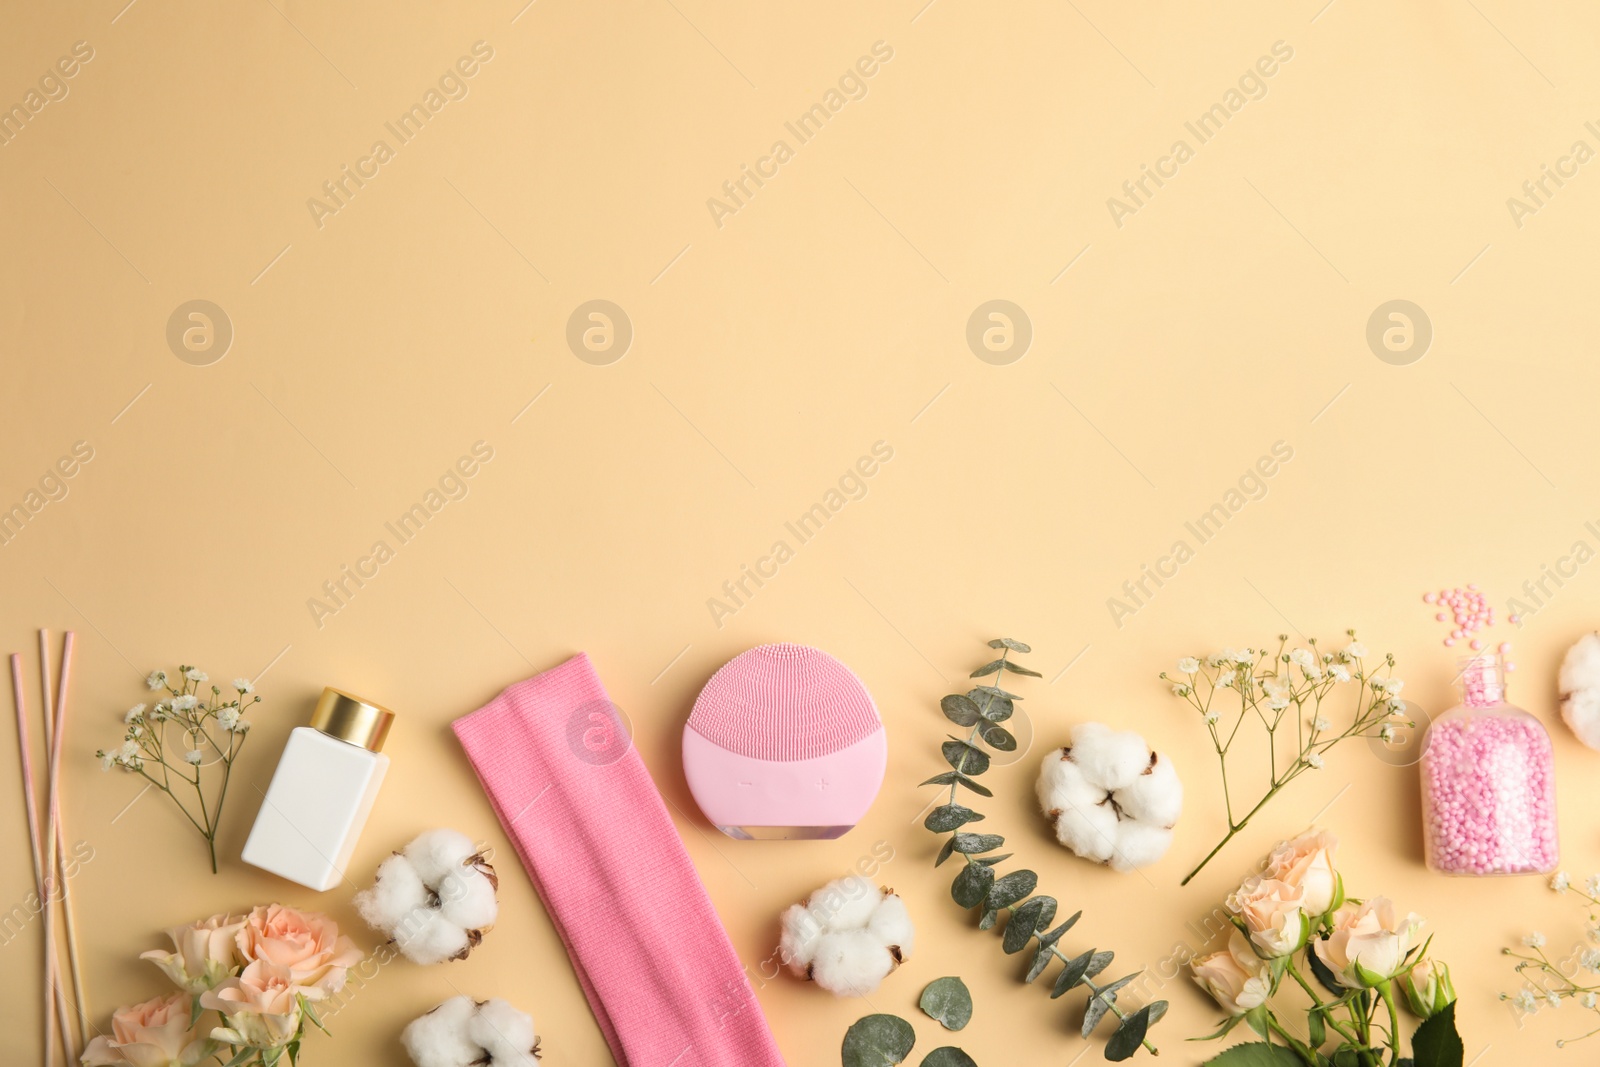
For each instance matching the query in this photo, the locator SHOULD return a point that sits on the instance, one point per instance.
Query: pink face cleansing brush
(784, 743)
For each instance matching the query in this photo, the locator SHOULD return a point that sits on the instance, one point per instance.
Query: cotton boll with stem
(467, 898)
(891, 925)
(1156, 797)
(426, 937)
(1109, 758)
(852, 963)
(505, 1033)
(1139, 844)
(1579, 681)
(436, 853)
(847, 936)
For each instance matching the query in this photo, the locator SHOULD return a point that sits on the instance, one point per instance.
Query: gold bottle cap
(349, 718)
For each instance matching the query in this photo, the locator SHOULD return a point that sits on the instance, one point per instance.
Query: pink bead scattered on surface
(1469, 613)
(1489, 795)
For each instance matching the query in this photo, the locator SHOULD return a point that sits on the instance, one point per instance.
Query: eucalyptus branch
(982, 710)
(199, 724)
(1268, 686)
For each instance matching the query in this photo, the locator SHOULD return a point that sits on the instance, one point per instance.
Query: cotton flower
(194, 674)
(846, 936)
(1534, 940)
(194, 756)
(156, 679)
(435, 900)
(461, 1032)
(1189, 665)
(243, 685)
(1579, 682)
(1110, 798)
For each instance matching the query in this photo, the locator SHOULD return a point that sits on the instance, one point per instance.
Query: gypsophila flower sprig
(1576, 977)
(172, 743)
(1284, 693)
(982, 710)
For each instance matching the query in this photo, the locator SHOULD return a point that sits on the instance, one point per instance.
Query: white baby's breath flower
(194, 755)
(1527, 1002)
(1302, 658)
(1592, 885)
(1396, 707)
(1354, 650)
(1392, 686)
(1211, 718)
(1188, 665)
(1244, 657)
(228, 718)
(1534, 940)
(128, 752)
(243, 727)
(1553, 999)
(243, 685)
(1278, 701)
(195, 674)
(1589, 1001)
(1589, 960)
(1340, 673)
(187, 702)
(134, 714)
(136, 730)
(156, 679)
(1314, 761)
(1225, 682)
(1319, 723)
(1386, 732)
(106, 760)
(1559, 881)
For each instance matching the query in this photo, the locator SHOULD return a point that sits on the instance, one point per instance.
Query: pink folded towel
(595, 837)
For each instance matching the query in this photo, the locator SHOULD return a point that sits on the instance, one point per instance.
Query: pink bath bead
(1430, 598)
(1513, 619)
(1473, 586)
(1510, 667)
(1441, 617)
(1449, 642)
(1476, 644)
(1505, 646)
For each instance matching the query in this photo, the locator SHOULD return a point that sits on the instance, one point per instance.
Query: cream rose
(153, 1034)
(1236, 978)
(306, 944)
(1272, 911)
(205, 953)
(1427, 988)
(260, 1006)
(1369, 943)
(1307, 863)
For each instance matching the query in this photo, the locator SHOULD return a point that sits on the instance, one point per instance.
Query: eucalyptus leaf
(1255, 1054)
(969, 844)
(1055, 935)
(1026, 921)
(947, 817)
(965, 758)
(945, 852)
(878, 1041)
(948, 1056)
(1006, 642)
(992, 667)
(1041, 960)
(1012, 888)
(997, 737)
(990, 861)
(948, 1002)
(987, 920)
(1436, 1043)
(1095, 1010)
(972, 885)
(1072, 973)
(995, 705)
(1099, 962)
(961, 710)
(954, 778)
(1129, 1036)
(1017, 668)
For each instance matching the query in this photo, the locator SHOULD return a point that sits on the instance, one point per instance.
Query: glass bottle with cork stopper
(322, 792)
(1488, 782)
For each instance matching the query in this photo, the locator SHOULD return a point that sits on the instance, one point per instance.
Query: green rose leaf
(878, 1041)
(1255, 1054)
(1012, 888)
(948, 1056)
(948, 1002)
(1436, 1043)
(972, 885)
(947, 817)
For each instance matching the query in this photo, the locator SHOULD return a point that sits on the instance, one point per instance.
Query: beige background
(828, 313)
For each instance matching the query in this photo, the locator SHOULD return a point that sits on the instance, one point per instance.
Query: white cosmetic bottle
(322, 792)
